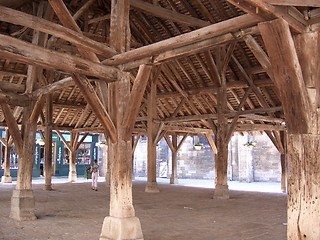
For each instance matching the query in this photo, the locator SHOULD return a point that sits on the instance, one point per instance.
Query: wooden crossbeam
(263, 10)
(211, 31)
(13, 127)
(259, 53)
(302, 3)
(40, 24)
(213, 90)
(167, 14)
(281, 49)
(56, 86)
(27, 53)
(230, 114)
(37, 108)
(135, 98)
(211, 143)
(64, 140)
(14, 99)
(96, 105)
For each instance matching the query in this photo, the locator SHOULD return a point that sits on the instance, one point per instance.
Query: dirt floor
(74, 211)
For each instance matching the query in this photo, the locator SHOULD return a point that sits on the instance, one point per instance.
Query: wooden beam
(231, 127)
(230, 114)
(13, 128)
(211, 143)
(135, 143)
(182, 141)
(135, 98)
(37, 108)
(258, 117)
(281, 49)
(182, 129)
(213, 90)
(96, 105)
(27, 53)
(83, 9)
(306, 46)
(266, 11)
(211, 31)
(64, 140)
(40, 24)
(259, 53)
(56, 86)
(81, 140)
(167, 14)
(259, 127)
(14, 99)
(67, 20)
(169, 142)
(302, 3)
(12, 87)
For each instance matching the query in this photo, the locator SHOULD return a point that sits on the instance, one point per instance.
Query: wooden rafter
(27, 53)
(213, 30)
(168, 14)
(96, 105)
(135, 97)
(280, 46)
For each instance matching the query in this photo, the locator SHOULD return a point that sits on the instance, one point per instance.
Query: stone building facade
(257, 161)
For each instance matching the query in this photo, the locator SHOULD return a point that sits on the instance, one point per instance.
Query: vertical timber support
(6, 178)
(296, 61)
(152, 130)
(173, 178)
(48, 144)
(73, 155)
(174, 147)
(283, 161)
(22, 200)
(122, 223)
(221, 162)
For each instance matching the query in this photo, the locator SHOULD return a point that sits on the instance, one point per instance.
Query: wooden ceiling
(197, 45)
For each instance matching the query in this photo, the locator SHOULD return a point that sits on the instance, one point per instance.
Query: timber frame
(191, 67)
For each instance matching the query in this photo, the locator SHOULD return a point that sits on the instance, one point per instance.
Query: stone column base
(22, 205)
(72, 176)
(152, 187)
(121, 228)
(47, 187)
(221, 192)
(6, 179)
(173, 180)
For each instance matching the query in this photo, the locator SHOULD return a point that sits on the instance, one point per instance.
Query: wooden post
(221, 162)
(283, 159)
(6, 178)
(73, 155)
(174, 147)
(173, 178)
(152, 130)
(48, 144)
(122, 223)
(22, 200)
(296, 61)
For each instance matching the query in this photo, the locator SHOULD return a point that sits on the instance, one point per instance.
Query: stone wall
(246, 163)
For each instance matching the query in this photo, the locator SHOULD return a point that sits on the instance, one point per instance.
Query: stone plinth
(221, 192)
(173, 180)
(22, 205)
(121, 228)
(6, 179)
(152, 187)
(72, 176)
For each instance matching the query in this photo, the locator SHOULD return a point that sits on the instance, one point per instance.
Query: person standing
(95, 174)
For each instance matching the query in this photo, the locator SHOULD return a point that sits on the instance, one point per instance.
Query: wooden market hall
(164, 69)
